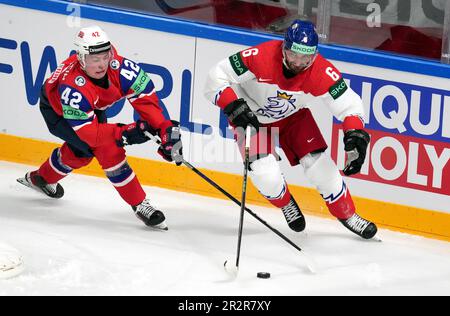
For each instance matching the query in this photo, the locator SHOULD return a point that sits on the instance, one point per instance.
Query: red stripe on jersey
(353, 122)
(226, 97)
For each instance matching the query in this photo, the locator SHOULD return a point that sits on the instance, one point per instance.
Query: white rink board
(183, 62)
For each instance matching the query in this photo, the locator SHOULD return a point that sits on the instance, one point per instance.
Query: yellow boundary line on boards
(402, 218)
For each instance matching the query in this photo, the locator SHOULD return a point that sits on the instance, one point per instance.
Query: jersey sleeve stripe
(76, 125)
(143, 95)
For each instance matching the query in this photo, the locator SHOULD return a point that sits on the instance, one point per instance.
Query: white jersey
(256, 75)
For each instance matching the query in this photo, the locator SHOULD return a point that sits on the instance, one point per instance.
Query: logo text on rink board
(410, 130)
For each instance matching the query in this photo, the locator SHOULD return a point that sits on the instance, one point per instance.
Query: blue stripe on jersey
(72, 97)
(57, 163)
(75, 123)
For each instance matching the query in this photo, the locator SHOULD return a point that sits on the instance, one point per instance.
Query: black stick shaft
(244, 192)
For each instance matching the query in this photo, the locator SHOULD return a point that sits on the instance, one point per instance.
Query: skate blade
(24, 182)
(376, 239)
(162, 226)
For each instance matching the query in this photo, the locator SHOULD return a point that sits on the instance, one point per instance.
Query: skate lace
(291, 212)
(146, 209)
(357, 223)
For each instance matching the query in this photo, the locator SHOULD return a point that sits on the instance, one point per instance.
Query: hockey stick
(309, 262)
(171, 10)
(234, 270)
(228, 195)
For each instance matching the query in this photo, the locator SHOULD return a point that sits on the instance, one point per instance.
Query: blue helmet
(301, 37)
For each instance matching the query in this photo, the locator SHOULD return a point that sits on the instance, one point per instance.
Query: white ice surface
(90, 243)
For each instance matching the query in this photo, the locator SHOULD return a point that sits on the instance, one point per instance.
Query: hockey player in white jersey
(269, 86)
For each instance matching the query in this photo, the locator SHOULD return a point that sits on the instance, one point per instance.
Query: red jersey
(74, 96)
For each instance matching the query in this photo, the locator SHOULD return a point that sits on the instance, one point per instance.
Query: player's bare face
(97, 65)
(297, 62)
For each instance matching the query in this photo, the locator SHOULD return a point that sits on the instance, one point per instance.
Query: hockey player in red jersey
(269, 87)
(73, 103)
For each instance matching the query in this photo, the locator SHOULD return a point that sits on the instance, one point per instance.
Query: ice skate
(35, 181)
(360, 226)
(150, 216)
(294, 216)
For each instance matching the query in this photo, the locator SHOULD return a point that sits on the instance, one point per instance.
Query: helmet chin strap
(82, 60)
(284, 59)
(311, 63)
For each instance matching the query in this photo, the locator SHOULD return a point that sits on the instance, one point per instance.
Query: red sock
(343, 208)
(132, 192)
(49, 174)
(283, 200)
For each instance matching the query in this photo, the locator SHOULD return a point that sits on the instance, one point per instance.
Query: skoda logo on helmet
(302, 37)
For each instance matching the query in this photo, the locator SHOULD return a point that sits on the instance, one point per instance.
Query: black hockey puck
(263, 275)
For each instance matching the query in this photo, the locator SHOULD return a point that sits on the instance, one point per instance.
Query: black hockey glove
(356, 142)
(132, 134)
(171, 148)
(240, 114)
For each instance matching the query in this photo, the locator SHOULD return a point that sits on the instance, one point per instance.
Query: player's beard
(295, 70)
(290, 71)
